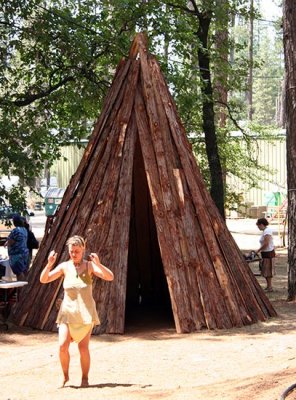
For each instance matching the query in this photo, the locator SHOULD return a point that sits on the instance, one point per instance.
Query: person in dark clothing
(32, 242)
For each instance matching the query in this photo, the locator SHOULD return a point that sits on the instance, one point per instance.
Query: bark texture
(289, 28)
(208, 114)
(139, 199)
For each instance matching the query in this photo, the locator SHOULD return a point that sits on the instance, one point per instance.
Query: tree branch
(30, 98)
(246, 136)
(195, 7)
(178, 7)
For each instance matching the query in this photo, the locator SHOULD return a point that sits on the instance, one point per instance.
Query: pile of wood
(139, 199)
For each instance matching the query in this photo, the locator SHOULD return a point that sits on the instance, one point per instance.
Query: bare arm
(9, 243)
(99, 269)
(266, 240)
(48, 274)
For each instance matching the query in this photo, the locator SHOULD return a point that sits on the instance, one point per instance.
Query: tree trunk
(217, 186)
(289, 28)
(221, 76)
(221, 73)
(250, 77)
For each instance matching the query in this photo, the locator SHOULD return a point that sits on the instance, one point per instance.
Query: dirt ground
(153, 362)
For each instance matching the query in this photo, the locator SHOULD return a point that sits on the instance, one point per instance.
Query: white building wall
(273, 156)
(270, 154)
(66, 168)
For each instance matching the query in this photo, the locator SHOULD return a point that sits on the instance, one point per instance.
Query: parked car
(7, 212)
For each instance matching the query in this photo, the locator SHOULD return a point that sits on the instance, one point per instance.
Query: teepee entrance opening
(147, 295)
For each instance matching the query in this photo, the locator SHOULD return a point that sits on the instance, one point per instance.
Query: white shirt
(267, 231)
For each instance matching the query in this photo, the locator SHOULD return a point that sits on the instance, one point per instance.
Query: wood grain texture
(139, 199)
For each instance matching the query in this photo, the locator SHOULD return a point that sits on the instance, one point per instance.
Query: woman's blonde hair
(76, 241)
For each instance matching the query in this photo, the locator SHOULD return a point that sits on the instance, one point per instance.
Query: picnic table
(9, 295)
(255, 260)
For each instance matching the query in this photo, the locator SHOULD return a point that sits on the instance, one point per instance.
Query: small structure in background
(52, 200)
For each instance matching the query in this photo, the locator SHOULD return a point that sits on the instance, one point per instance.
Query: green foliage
(57, 63)
(268, 80)
(58, 58)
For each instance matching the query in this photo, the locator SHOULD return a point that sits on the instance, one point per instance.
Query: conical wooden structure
(139, 199)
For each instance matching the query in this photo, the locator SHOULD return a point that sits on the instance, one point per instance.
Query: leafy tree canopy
(58, 58)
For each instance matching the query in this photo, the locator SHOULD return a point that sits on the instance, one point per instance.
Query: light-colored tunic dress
(78, 308)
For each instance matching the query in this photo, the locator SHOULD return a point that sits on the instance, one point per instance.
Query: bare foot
(84, 382)
(66, 379)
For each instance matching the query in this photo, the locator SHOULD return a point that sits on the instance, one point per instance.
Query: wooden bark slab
(209, 284)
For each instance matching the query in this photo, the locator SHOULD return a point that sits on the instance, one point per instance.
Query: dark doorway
(148, 302)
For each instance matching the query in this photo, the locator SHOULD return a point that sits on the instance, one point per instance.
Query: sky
(270, 10)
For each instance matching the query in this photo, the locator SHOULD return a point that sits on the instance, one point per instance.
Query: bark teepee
(139, 199)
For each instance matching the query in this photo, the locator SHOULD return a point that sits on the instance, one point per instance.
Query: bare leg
(83, 347)
(64, 343)
(269, 284)
(267, 265)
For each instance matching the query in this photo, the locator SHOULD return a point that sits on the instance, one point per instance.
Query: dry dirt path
(250, 363)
